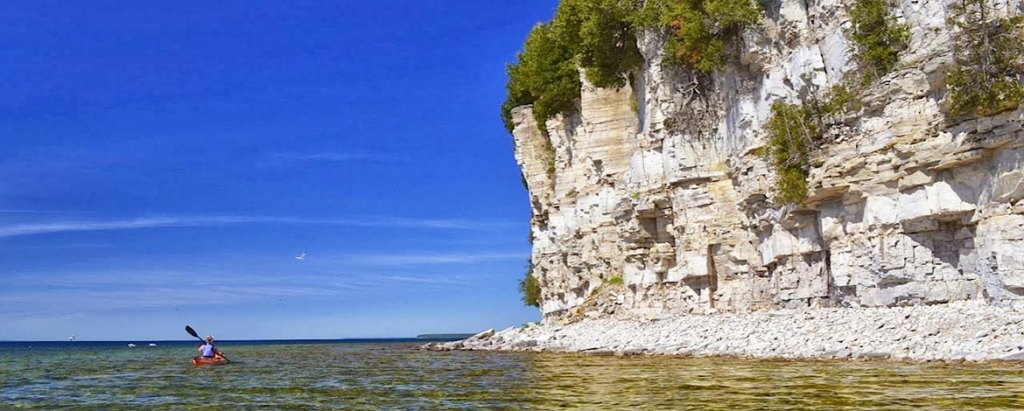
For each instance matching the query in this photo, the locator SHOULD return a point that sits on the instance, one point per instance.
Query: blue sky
(162, 163)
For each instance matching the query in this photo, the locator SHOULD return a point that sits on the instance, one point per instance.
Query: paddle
(189, 330)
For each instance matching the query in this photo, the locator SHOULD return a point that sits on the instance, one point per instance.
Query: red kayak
(209, 361)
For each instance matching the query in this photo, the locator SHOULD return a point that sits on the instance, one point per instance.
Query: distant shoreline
(449, 336)
(253, 341)
(959, 331)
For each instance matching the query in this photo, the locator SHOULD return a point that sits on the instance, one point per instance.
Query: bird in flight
(301, 256)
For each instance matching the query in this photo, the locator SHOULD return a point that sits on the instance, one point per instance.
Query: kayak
(208, 361)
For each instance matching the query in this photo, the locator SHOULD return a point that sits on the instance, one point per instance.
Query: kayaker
(208, 350)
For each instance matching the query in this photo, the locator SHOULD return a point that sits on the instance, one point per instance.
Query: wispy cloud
(27, 211)
(430, 259)
(398, 222)
(114, 287)
(58, 246)
(23, 229)
(132, 224)
(130, 289)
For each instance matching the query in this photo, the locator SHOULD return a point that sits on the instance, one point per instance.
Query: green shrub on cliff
(545, 75)
(879, 38)
(595, 35)
(599, 37)
(529, 287)
(795, 131)
(605, 38)
(987, 75)
(792, 132)
(699, 30)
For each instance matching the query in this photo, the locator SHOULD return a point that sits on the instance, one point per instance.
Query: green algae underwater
(394, 375)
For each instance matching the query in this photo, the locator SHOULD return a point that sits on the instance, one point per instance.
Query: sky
(163, 163)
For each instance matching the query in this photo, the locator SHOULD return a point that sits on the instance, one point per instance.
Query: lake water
(394, 375)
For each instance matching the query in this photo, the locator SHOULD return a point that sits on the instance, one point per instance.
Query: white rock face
(671, 196)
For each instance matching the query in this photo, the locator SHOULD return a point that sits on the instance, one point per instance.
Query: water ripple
(396, 376)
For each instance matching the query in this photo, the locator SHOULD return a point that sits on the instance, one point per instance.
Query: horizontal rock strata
(660, 184)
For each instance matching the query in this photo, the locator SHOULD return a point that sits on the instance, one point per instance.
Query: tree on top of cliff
(545, 76)
(605, 36)
(599, 36)
(595, 35)
(700, 29)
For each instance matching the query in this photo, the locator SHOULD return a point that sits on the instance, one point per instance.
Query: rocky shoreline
(960, 331)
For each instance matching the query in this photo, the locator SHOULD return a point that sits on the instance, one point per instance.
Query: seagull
(301, 256)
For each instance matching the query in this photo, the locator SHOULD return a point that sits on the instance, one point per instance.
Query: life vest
(208, 350)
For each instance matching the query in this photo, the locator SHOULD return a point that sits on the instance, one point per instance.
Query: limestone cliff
(660, 183)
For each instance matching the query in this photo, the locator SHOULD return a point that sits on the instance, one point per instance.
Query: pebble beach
(958, 331)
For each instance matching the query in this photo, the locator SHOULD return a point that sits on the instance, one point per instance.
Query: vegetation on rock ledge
(699, 30)
(792, 132)
(795, 131)
(545, 76)
(615, 280)
(599, 37)
(879, 38)
(529, 287)
(987, 75)
(605, 38)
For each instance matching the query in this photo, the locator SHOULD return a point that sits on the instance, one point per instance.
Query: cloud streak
(27, 211)
(117, 290)
(25, 229)
(430, 258)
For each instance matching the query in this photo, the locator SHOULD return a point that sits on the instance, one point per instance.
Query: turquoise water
(393, 375)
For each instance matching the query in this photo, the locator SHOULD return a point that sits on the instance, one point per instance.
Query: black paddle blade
(189, 330)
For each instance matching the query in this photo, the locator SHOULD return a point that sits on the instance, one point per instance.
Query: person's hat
(209, 338)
